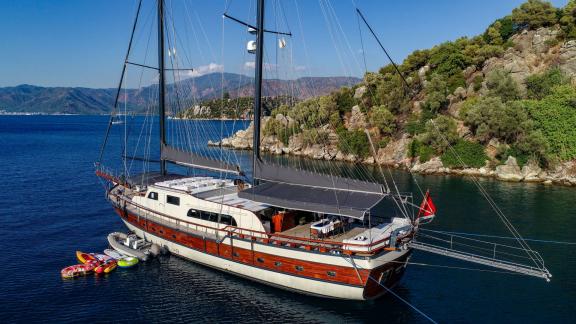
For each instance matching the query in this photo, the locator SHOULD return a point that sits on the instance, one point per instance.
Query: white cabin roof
(194, 185)
(197, 185)
(235, 201)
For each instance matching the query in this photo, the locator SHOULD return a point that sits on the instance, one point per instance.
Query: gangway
(481, 252)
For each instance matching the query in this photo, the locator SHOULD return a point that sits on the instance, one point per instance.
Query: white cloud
(300, 68)
(204, 69)
(252, 65)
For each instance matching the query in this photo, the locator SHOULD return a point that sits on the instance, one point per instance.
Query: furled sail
(190, 159)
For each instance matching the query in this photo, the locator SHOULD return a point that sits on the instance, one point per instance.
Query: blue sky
(82, 43)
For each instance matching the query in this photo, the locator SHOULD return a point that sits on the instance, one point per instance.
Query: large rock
(531, 172)
(510, 171)
(359, 92)
(422, 72)
(357, 119)
(567, 58)
(395, 152)
(433, 166)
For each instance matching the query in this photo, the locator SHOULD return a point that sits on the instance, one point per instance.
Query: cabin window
(227, 220)
(331, 273)
(212, 217)
(173, 200)
(153, 195)
(299, 268)
(260, 260)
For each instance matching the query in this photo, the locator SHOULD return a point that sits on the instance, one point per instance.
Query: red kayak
(106, 267)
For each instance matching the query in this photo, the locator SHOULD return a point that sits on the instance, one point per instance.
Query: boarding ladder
(489, 254)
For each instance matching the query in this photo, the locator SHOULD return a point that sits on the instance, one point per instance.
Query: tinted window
(212, 217)
(153, 195)
(173, 200)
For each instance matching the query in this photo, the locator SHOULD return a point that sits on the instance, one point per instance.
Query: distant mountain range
(50, 100)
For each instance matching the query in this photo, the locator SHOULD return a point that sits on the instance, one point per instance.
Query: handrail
(229, 230)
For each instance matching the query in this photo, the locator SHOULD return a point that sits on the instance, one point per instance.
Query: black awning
(320, 200)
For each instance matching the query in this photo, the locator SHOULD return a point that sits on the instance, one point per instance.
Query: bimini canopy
(348, 203)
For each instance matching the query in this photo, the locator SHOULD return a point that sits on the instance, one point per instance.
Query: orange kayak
(106, 267)
(85, 257)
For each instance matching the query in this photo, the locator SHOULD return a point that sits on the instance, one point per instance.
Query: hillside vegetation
(472, 102)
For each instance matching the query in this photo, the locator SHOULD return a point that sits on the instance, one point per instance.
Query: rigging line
(384, 49)
(495, 207)
(394, 294)
(121, 81)
(501, 237)
(403, 300)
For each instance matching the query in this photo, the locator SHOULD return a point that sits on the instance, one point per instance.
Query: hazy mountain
(29, 98)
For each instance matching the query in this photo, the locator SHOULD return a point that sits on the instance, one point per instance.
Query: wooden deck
(303, 231)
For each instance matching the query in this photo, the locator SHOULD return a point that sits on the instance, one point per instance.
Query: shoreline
(395, 156)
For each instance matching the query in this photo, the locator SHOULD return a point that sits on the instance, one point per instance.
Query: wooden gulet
(311, 233)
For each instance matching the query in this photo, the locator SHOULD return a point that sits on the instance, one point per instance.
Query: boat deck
(303, 231)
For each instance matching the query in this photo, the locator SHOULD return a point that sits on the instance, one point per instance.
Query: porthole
(277, 263)
(260, 260)
(235, 254)
(299, 268)
(331, 273)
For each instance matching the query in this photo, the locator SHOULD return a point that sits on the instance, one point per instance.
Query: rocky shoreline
(395, 155)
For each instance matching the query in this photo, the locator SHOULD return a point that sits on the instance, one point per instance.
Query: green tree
(490, 117)
(493, 34)
(568, 20)
(382, 118)
(534, 14)
(440, 133)
(436, 92)
(500, 84)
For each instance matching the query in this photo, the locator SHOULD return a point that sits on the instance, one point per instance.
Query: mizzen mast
(258, 84)
(161, 84)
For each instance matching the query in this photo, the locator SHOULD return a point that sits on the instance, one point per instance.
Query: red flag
(427, 207)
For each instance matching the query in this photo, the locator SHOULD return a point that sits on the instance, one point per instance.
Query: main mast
(258, 84)
(161, 84)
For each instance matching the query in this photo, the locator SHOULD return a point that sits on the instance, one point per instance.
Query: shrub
(568, 20)
(500, 84)
(436, 92)
(489, 117)
(469, 153)
(314, 136)
(555, 117)
(440, 133)
(353, 142)
(539, 86)
(421, 150)
(275, 128)
(382, 118)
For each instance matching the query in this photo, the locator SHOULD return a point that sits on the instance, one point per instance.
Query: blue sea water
(52, 204)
